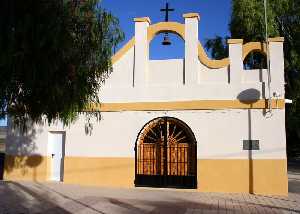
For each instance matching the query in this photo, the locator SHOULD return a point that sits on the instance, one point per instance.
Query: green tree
(217, 46)
(247, 22)
(54, 56)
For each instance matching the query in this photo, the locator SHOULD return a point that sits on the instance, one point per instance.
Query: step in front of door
(169, 181)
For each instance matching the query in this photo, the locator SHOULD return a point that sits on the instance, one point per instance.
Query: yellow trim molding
(235, 41)
(210, 62)
(179, 29)
(191, 15)
(123, 50)
(142, 19)
(276, 39)
(186, 105)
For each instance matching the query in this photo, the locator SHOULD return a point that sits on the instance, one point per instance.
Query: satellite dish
(249, 96)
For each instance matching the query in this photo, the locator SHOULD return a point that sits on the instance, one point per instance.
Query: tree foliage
(247, 22)
(217, 46)
(54, 57)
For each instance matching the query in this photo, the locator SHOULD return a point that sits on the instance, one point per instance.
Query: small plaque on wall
(250, 144)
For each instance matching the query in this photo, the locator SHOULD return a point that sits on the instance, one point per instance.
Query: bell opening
(166, 40)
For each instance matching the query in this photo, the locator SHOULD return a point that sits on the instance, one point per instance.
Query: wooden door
(165, 151)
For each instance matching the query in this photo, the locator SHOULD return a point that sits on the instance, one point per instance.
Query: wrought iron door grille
(166, 155)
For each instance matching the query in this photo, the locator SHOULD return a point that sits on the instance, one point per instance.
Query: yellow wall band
(185, 105)
(263, 176)
(259, 176)
(112, 172)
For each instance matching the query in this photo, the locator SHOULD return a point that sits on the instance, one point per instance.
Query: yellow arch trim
(254, 46)
(210, 62)
(171, 27)
(178, 29)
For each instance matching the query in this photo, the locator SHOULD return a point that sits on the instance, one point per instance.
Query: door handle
(52, 155)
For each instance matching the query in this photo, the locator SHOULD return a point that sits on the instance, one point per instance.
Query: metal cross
(167, 9)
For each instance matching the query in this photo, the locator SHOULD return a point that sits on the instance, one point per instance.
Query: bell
(166, 40)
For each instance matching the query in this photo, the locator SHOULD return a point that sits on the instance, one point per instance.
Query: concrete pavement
(29, 197)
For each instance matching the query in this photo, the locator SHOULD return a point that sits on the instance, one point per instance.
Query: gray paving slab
(33, 197)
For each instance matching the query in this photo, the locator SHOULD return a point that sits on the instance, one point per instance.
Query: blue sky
(214, 19)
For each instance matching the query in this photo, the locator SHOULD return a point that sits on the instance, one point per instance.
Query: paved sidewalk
(28, 197)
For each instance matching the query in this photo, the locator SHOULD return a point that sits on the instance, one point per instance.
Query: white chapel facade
(184, 123)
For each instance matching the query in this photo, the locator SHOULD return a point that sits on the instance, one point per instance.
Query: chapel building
(194, 123)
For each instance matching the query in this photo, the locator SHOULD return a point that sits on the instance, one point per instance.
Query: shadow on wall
(249, 96)
(21, 159)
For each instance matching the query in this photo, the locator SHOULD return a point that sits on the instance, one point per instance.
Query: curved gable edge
(178, 29)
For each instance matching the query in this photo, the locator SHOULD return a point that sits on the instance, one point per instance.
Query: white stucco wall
(115, 134)
(31, 142)
(254, 75)
(122, 75)
(211, 76)
(219, 133)
(166, 72)
(205, 91)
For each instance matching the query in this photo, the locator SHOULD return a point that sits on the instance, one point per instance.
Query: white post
(191, 48)
(277, 65)
(236, 60)
(141, 55)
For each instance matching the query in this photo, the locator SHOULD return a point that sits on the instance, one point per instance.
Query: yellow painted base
(266, 177)
(113, 172)
(31, 168)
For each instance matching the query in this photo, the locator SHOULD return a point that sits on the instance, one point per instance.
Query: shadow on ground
(294, 176)
(23, 199)
(17, 198)
(33, 197)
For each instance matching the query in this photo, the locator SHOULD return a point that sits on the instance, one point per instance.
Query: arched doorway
(166, 155)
